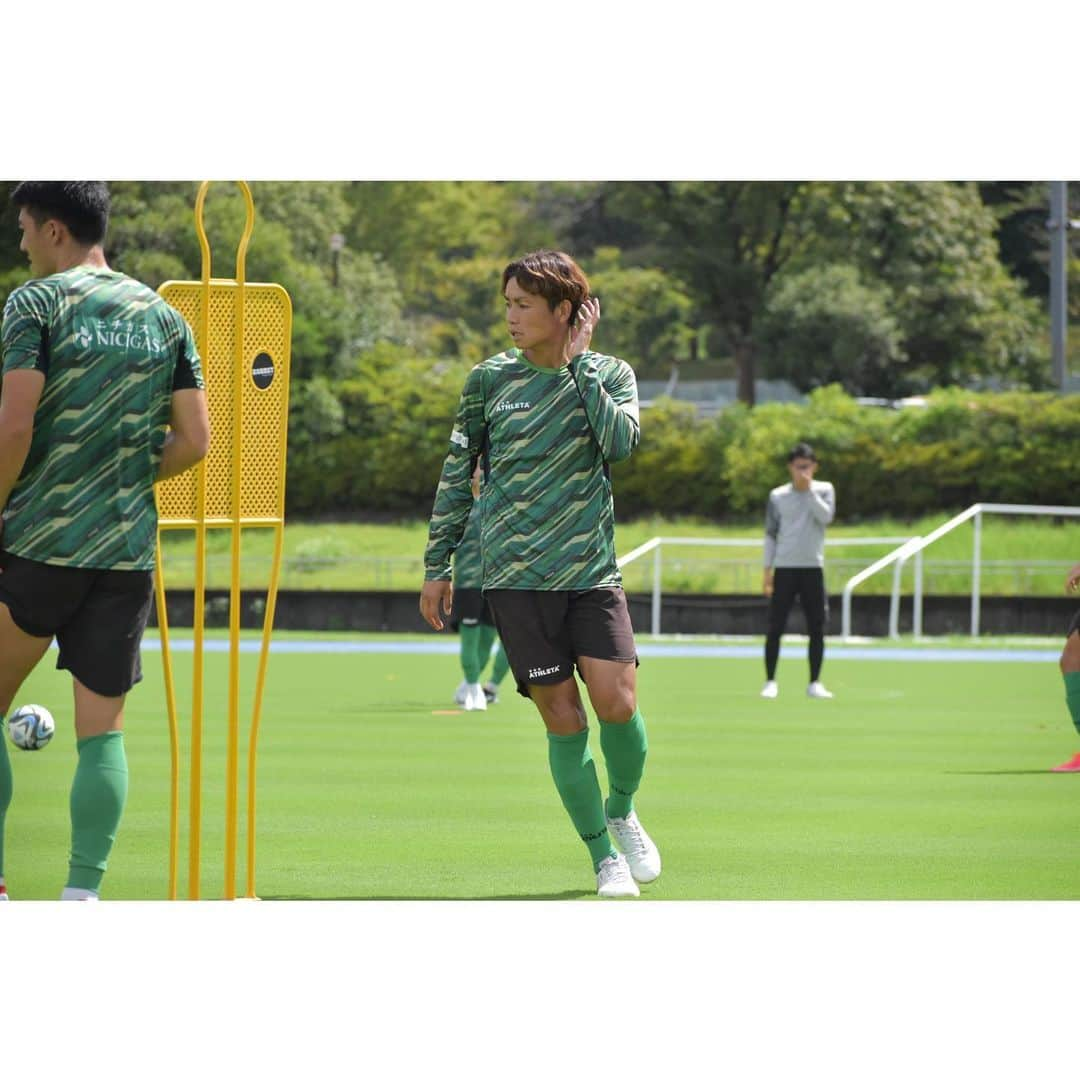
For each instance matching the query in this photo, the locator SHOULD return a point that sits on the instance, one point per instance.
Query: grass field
(1022, 556)
(921, 780)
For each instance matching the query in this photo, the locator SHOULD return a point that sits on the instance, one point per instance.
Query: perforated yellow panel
(264, 403)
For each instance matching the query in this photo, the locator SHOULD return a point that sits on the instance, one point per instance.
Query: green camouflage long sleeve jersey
(546, 435)
(112, 352)
(468, 555)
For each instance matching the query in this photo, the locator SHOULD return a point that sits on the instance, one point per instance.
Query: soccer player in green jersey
(102, 396)
(545, 418)
(471, 617)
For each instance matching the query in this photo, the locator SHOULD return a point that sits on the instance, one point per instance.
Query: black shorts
(544, 633)
(97, 617)
(470, 609)
(1074, 625)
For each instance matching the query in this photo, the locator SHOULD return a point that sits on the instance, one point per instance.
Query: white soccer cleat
(816, 690)
(633, 841)
(770, 689)
(491, 692)
(474, 697)
(613, 878)
(72, 893)
(459, 693)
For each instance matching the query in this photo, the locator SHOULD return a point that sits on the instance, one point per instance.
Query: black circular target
(262, 370)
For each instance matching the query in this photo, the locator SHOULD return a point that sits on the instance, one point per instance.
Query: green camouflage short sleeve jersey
(547, 517)
(469, 556)
(112, 352)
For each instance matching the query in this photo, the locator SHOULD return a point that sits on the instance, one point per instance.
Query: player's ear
(53, 230)
(563, 310)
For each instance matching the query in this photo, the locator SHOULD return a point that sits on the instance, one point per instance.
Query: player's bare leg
(19, 653)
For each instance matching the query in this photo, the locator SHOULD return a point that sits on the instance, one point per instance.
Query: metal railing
(914, 547)
(656, 543)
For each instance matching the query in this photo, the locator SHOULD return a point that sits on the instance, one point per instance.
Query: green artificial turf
(920, 780)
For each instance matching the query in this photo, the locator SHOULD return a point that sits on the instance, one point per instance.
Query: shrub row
(375, 444)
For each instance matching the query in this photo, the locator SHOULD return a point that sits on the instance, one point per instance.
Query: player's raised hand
(1072, 582)
(582, 331)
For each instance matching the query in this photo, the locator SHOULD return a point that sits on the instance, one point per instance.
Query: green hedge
(375, 444)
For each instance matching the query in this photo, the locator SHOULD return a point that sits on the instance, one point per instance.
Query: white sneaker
(613, 878)
(815, 689)
(491, 692)
(474, 697)
(459, 693)
(72, 893)
(770, 689)
(633, 841)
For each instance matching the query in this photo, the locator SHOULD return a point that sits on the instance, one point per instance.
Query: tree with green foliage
(825, 324)
(725, 241)
(933, 247)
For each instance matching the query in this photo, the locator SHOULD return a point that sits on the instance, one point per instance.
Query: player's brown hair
(550, 274)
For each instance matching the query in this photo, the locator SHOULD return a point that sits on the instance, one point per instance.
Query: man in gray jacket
(795, 519)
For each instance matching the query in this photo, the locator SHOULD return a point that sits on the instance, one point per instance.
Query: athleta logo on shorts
(461, 440)
(508, 406)
(540, 672)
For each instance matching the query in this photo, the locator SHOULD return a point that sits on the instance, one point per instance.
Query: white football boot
(613, 878)
(474, 697)
(491, 692)
(770, 689)
(459, 693)
(816, 690)
(633, 841)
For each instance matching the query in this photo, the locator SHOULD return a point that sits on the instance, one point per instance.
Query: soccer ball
(31, 727)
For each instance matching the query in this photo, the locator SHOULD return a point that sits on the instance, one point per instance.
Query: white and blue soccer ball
(31, 727)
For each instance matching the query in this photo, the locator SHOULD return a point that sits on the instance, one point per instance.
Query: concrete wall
(399, 611)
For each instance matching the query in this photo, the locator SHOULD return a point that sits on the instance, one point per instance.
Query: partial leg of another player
(471, 694)
(612, 687)
(499, 667)
(1070, 671)
(19, 654)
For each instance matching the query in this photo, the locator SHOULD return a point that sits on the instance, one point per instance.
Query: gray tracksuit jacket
(795, 524)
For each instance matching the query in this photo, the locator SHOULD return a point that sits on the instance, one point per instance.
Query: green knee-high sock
(624, 747)
(7, 786)
(483, 648)
(574, 772)
(98, 794)
(472, 662)
(1072, 696)
(500, 667)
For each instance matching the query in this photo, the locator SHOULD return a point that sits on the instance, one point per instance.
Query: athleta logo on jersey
(540, 672)
(117, 334)
(512, 406)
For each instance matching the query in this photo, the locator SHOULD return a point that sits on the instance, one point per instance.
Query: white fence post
(656, 589)
(916, 618)
(976, 574)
